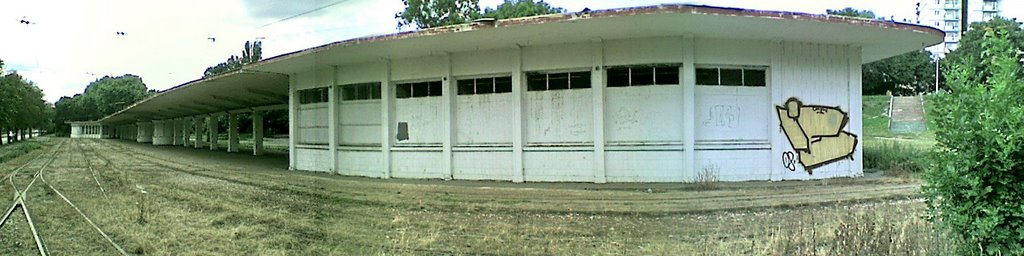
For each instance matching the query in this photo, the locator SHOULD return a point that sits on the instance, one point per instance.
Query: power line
(304, 13)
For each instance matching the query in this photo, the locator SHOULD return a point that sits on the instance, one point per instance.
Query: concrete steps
(907, 115)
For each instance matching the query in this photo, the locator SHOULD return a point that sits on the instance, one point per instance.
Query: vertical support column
(776, 96)
(293, 125)
(185, 134)
(139, 129)
(387, 99)
(232, 132)
(332, 119)
(517, 116)
(175, 132)
(257, 133)
(689, 79)
(597, 78)
(211, 126)
(856, 108)
(448, 102)
(198, 123)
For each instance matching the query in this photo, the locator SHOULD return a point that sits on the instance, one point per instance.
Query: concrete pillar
(232, 132)
(198, 123)
(776, 96)
(293, 125)
(144, 132)
(332, 120)
(185, 133)
(688, 78)
(138, 132)
(518, 85)
(448, 119)
(387, 97)
(175, 131)
(854, 56)
(211, 126)
(257, 133)
(597, 78)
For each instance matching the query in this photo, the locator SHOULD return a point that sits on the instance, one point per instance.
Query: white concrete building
(947, 15)
(93, 130)
(648, 94)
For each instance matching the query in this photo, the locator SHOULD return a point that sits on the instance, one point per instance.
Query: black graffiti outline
(789, 160)
(846, 120)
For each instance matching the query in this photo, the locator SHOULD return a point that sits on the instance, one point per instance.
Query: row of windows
(485, 85)
(363, 91)
(418, 89)
(643, 75)
(731, 76)
(536, 81)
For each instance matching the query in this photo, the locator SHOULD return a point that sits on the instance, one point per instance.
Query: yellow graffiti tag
(816, 133)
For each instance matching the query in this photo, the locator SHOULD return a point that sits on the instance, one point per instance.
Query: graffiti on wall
(724, 116)
(816, 134)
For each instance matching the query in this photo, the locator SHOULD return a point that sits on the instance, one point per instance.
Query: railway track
(20, 194)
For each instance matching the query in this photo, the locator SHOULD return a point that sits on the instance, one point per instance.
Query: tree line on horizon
(22, 108)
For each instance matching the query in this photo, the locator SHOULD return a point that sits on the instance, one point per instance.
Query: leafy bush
(975, 186)
(895, 158)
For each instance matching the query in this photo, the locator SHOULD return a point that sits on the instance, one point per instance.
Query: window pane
(666, 75)
(579, 80)
(618, 77)
(348, 93)
(558, 81)
(465, 87)
(435, 88)
(403, 91)
(707, 76)
(484, 85)
(732, 76)
(420, 89)
(536, 82)
(375, 90)
(323, 95)
(754, 77)
(362, 92)
(503, 84)
(642, 76)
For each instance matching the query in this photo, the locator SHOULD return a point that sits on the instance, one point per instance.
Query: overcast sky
(71, 43)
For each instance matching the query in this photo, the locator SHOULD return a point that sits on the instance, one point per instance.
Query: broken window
(624, 76)
(418, 89)
(537, 81)
(315, 95)
(732, 76)
(363, 91)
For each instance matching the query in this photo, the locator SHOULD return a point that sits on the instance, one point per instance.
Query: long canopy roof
(265, 83)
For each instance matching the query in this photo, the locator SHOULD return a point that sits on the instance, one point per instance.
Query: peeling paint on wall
(816, 134)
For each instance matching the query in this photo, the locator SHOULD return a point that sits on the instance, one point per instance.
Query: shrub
(895, 158)
(975, 186)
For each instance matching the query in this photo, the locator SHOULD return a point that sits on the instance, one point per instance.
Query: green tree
(974, 186)
(101, 98)
(970, 48)
(22, 107)
(520, 8)
(253, 52)
(850, 12)
(436, 13)
(906, 74)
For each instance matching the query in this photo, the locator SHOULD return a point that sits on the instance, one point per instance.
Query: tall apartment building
(948, 15)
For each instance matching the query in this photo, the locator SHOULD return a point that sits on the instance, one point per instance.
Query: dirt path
(206, 202)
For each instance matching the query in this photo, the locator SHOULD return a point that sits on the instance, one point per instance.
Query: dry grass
(203, 206)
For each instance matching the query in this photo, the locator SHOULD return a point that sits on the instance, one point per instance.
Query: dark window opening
(618, 77)
(707, 76)
(403, 91)
(315, 95)
(754, 77)
(418, 89)
(558, 81)
(661, 74)
(503, 84)
(730, 76)
(666, 75)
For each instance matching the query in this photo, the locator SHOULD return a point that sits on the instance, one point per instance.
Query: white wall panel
(483, 63)
(359, 163)
(732, 52)
(418, 68)
(362, 73)
(424, 118)
(313, 159)
(645, 166)
(484, 119)
(643, 114)
(734, 165)
(732, 113)
(483, 165)
(359, 122)
(560, 56)
(559, 116)
(643, 51)
(417, 164)
(313, 124)
(558, 166)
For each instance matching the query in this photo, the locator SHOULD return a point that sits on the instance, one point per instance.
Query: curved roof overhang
(238, 90)
(878, 39)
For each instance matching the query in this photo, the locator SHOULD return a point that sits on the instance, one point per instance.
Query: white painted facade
(655, 133)
(90, 130)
